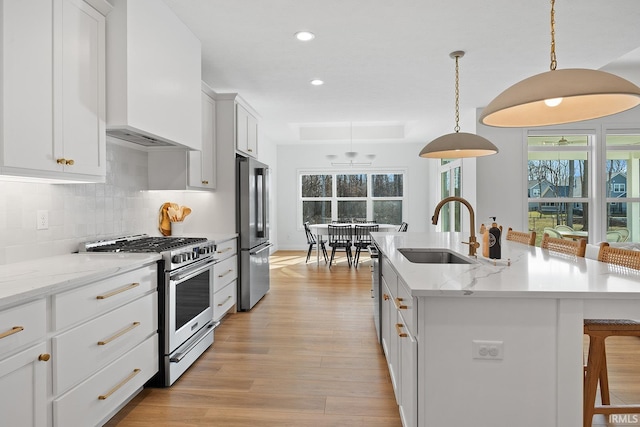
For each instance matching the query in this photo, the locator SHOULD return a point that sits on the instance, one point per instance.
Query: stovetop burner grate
(147, 244)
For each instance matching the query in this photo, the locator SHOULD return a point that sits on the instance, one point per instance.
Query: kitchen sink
(434, 256)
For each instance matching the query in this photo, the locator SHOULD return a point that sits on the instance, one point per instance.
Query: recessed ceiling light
(305, 36)
(317, 82)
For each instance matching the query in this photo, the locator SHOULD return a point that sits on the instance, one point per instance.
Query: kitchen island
(492, 342)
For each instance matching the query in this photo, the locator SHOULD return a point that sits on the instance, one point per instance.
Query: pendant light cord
(457, 128)
(554, 62)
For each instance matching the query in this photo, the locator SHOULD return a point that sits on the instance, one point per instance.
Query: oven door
(188, 304)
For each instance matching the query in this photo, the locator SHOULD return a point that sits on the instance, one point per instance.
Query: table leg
(318, 249)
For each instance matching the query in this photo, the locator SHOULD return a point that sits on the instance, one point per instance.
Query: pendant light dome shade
(579, 94)
(458, 145)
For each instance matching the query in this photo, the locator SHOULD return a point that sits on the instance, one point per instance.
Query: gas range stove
(176, 251)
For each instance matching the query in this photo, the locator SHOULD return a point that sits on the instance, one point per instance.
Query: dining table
(323, 230)
(574, 234)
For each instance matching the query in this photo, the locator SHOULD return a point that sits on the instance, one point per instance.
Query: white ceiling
(386, 62)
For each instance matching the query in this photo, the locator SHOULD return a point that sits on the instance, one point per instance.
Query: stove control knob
(176, 259)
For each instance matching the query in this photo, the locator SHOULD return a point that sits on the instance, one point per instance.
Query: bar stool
(598, 330)
(564, 246)
(521, 237)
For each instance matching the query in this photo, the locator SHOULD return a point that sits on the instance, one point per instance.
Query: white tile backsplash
(77, 212)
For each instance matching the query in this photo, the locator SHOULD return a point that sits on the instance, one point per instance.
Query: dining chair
(340, 239)
(624, 232)
(311, 241)
(521, 237)
(563, 227)
(598, 330)
(403, 227)
(552, 232)
(565, 246)
(614, 236)
(362, 239)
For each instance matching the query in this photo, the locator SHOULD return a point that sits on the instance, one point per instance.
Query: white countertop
(29, 279)
(532, 273)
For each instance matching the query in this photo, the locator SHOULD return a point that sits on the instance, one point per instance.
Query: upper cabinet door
(202, 173)
(52, 76)
(246, 132)
(79, 87)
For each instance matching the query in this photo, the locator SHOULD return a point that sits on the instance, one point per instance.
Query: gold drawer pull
(119, 334)
(399, 330)
(44, 357)
(385, 297)
(12, 331)
(399, 304)
(120, 384)
(224, 250)
(225, 300)
(117, 291)
(225, 273)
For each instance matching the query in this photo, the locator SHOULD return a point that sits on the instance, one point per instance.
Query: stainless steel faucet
(473, 243)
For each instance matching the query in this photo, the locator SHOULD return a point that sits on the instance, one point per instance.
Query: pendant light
(560, 96)
(351, 155)
(458, 144)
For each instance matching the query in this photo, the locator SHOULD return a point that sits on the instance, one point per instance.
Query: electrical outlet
(488, 349)
(42, 220)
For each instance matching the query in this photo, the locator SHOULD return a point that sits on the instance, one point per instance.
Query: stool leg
(594, 366)
(604, 380)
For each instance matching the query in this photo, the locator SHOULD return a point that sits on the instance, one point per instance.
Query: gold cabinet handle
(205, 182)
(385, 297)
(44, 357)
(399, 305)
(224, 250)
(225, 300)
(119, 385)
(399, 330)
(70, 162)
(250, 150)
(11, 331)
(119, 334)
(225, 273)
(61, 161)
(117, 291)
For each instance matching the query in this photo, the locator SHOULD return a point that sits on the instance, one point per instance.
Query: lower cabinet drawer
(85, 349)
(225, 272)
(99, 396)
(223, 300)
(225, 249)
(22, 325)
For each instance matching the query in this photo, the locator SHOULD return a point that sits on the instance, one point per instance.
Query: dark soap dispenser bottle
(494, 240)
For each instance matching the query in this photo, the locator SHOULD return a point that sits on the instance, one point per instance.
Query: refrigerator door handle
(261, 250)
(260, 202)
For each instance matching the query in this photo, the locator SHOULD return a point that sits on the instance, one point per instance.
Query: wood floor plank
(303, 356)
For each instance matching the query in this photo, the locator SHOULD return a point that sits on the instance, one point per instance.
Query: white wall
(421, 185)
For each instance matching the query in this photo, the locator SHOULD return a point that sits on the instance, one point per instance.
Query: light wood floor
(306, 355)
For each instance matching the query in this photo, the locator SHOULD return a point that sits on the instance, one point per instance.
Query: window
(450, 185)
(558, 181)
(622, 174)
(377, 196)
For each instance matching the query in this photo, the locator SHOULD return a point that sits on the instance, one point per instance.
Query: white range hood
(153, 76)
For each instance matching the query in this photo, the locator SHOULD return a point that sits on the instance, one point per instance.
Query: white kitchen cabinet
(225, 279)
(188, 170)
(23, 381)
(53, 85)
(246, 132)
(106, 347)
(397, 323)
(153, 76)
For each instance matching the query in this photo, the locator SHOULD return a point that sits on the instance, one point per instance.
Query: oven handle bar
(261, 250)
(190, 272)
(178, 357)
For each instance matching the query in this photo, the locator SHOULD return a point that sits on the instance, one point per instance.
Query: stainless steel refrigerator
(253, 227)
